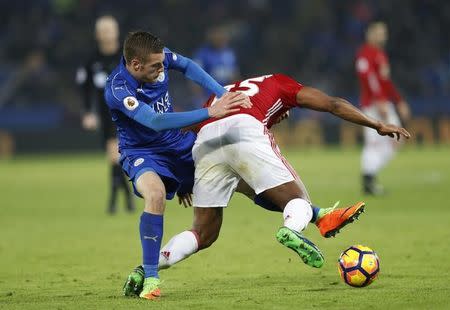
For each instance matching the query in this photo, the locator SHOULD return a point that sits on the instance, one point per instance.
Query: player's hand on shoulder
(89, 121)
(185, 199)
(393, 131)
(230, 102)
(247, 103)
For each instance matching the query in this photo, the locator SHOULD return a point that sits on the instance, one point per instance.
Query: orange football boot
(153, 295)
(332, 221)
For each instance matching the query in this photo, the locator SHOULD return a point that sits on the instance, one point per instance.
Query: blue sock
(151, 231)
(315, 213)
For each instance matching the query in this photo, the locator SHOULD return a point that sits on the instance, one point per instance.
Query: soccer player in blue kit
(155, 154)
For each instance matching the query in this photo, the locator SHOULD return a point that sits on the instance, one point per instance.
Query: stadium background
(58, 248)
(44, 41)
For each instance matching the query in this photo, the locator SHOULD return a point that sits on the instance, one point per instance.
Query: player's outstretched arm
(195, 73)
(229, 103)
(314, 99)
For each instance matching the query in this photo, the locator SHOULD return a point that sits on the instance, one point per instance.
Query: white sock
(297, 214)
(180, 247)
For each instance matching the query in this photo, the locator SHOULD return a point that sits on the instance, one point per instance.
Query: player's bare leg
(297, 213)
(152, 189)
(207, 224)
(329, 221)
(205, 230)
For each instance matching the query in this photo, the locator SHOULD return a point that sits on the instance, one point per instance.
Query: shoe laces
(329, 210)
(336, 204)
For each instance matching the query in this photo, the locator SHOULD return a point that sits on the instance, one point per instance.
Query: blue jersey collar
(127, 75)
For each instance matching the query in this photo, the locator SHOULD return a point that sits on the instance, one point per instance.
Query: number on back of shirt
(252, 88)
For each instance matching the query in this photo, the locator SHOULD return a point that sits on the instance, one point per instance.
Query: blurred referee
(91, 77)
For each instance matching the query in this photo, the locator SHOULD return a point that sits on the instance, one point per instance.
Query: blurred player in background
(240, 148)
(154, 152)
(217, 58)
(92, 78)
(380, 100)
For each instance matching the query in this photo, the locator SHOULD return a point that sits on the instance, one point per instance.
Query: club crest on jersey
(130, 103)
(138, 161)
(161, 77)
(174, 57)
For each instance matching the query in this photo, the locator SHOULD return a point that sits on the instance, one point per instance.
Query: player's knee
(156, 196)
(207, 238)
(154, 199)
(208, 241)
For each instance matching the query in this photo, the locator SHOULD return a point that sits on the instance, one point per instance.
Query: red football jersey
(271, 95)
(370, 61)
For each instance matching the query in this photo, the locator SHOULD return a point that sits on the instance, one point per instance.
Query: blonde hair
(106, 21)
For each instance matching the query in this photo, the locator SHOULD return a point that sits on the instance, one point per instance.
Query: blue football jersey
(221, 64)
(125, 96)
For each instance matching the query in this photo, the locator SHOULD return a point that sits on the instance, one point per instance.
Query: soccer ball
(358, 266)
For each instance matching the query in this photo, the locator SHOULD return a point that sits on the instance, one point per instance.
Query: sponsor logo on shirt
(163, 104)
(130, 103)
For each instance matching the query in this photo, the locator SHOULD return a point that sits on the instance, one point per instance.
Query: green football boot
(308, 251)
(151, 289)
(135, 282)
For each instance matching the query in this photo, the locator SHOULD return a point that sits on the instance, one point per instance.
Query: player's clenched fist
(229, 103)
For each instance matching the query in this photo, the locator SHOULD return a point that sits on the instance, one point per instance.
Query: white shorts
(232, 148)
(371, 136)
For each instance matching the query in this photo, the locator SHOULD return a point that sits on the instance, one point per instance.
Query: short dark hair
(140, 44)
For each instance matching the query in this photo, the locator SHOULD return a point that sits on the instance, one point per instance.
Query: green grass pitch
(59, 250)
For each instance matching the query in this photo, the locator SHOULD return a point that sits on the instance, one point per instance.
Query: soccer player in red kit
(378, 97)
(240, 148)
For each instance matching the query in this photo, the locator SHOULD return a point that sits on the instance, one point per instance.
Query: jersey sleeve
(192, 71)
(174, 61)
(119, 97)
(288, 88)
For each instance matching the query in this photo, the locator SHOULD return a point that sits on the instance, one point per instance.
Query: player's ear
(136, 64)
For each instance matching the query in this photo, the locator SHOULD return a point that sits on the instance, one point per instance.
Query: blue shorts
(174, 166)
